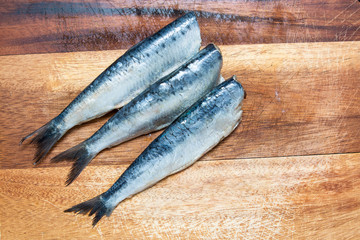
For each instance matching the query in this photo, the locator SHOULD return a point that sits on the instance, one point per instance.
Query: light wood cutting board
(302, 99)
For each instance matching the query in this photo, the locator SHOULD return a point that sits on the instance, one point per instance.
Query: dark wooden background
(291, 169)
(66, 26)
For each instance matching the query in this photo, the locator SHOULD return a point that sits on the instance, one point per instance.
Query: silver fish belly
(153, 109)
(189, 137)
(139, 67)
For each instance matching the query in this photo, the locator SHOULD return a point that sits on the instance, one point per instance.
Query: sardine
(194, 133)
(152, 110)
(139, 67)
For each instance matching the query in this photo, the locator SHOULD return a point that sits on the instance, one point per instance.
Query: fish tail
(81, 158)
(44, 139)
(93, 206)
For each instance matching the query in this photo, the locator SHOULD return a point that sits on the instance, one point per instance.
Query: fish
(153, 109)
(195, 132)
(133, 72)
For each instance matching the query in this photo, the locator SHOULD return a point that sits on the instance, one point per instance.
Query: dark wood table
(291, 170)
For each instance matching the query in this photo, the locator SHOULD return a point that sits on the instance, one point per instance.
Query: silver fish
(194, 133)
(139, 67)
(153, 109)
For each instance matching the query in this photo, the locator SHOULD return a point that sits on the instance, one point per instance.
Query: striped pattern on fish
(139, 67)
(188, 138)
(153, 109)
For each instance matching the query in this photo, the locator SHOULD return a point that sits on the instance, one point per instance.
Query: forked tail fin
(95, 206)
(81, 158)
(45, 138)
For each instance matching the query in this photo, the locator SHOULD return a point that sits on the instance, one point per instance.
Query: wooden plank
(32, 26)
(302, 99)
(306, 197)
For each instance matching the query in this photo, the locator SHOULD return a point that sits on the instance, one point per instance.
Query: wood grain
(306, 197)
(302, 99)
(32, 26)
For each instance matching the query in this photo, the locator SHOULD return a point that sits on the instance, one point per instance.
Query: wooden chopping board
(303, 99)
(289, 171)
